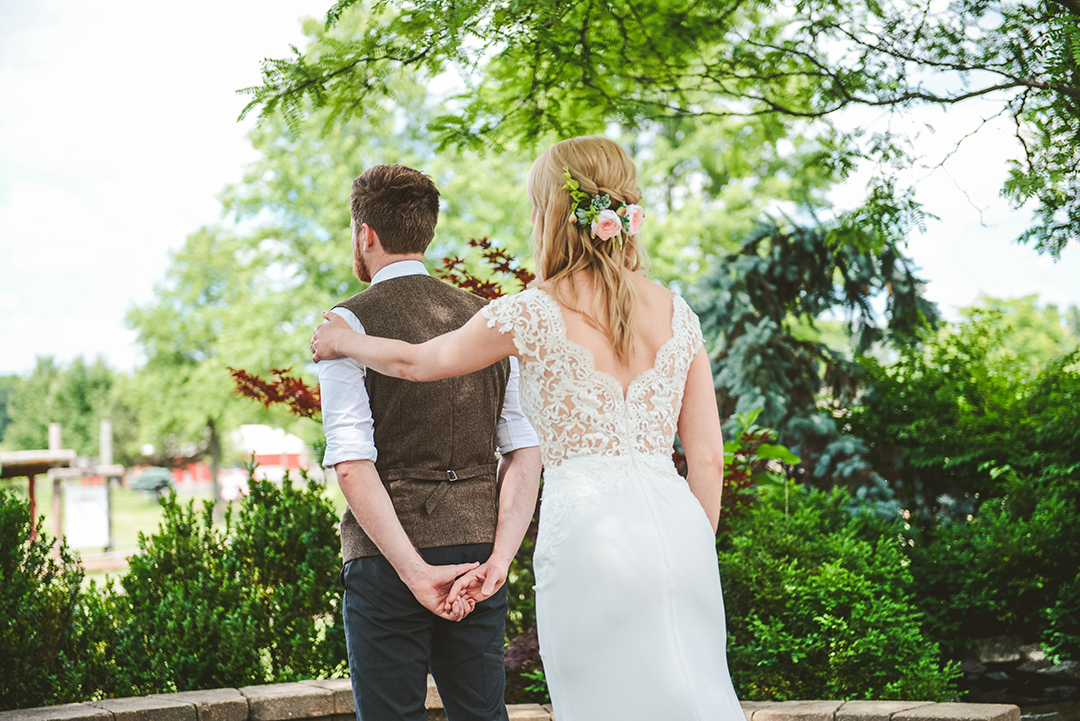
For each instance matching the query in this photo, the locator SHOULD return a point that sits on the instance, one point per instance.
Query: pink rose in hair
(607, 225)
(636, 215)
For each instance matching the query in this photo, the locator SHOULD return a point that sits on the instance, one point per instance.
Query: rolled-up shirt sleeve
(514, 430)
(346, 409)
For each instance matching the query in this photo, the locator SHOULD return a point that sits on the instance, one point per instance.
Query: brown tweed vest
(436, 440)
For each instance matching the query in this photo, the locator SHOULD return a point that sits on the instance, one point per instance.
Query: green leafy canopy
(534, 70)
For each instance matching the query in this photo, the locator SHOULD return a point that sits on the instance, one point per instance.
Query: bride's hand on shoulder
(326, 343)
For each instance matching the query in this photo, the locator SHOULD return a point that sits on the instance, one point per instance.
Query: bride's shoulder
(652, 293)
(510, 307)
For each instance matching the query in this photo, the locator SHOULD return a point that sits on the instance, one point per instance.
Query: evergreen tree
(754, 306)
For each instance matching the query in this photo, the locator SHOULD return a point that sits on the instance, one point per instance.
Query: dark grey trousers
(393, 641)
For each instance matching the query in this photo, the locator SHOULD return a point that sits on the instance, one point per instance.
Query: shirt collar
(400, 269)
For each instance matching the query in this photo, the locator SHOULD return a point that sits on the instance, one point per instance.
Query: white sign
(86, 516)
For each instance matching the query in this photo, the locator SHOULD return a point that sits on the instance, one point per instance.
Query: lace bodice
(579, 410)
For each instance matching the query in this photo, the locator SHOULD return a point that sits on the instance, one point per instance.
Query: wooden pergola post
(31, 491)
(56, 443)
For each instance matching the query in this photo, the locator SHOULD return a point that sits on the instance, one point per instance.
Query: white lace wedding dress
(628, 599)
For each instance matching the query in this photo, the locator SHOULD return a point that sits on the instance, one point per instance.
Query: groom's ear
(369, 239)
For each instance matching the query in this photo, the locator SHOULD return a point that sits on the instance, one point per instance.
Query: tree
(710, 183)
(537, 69)
(8, 384)
(1031, 333)
(78, 397)
(206, 316)
(247, 291)
(756, 307)
(943, 420)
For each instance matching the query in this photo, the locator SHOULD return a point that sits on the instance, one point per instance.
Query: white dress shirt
(346, 410)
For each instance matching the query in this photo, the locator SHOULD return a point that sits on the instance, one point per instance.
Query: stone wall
(332, 700)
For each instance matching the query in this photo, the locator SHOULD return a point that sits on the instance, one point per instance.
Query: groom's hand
(432, 586)
(481, 582)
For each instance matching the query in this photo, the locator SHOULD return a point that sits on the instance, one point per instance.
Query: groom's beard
(361, 269)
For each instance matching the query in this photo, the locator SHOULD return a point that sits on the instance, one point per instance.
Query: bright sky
(117, 132)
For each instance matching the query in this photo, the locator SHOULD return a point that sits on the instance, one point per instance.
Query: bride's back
(650, 324)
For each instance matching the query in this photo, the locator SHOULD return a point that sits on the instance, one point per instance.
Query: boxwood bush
(204, 605)
(253, 600)
(51, 633)
(820, 605)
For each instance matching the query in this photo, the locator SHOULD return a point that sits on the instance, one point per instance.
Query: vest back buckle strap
(432, 475)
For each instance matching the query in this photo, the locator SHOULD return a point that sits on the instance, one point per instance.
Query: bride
(629, 608)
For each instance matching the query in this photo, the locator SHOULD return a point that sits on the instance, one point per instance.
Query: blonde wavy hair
(563, 249)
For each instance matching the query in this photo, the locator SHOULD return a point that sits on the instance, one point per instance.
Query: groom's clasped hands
(452, 592)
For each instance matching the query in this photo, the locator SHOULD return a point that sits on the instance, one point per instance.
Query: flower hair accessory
(596, 212)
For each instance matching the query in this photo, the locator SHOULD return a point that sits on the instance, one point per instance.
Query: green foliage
(970, 397)
(538, 685)
(709, 183)
(1049, 127)
(521, 612)
(195, 328)
(1064, 628)
(750, 459)
(8, 384)
(253, 601)
(820, 604)
(534, 70)
(50, 633)
(754, 309)
(980, 442)
(1031, 333)
(999, 571)
(78, 396)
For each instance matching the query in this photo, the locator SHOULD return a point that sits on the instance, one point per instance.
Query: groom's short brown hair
(399, 203)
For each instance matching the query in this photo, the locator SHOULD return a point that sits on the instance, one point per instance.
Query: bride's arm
(469, 348)
(699, 432)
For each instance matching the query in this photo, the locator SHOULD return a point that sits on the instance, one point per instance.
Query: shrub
(819, 604)
(254, 601)
(50, 638)
(1064, 630)
(1002, 569)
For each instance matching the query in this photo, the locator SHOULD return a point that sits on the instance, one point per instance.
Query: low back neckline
(589, 359)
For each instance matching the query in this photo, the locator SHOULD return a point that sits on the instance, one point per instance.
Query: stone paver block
(750, 707)
(218, 704)
(527, 712)
(64, 712)
(280, 701)
(799, 711)
(148, 708)
(343, 694)
(964, 711)
(876, 710)
(433, 699)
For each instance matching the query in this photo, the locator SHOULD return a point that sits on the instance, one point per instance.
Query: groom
(416, 462)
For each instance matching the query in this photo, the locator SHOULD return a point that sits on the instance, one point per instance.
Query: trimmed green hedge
(820, 604)
(50, 630)
(252, 600)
